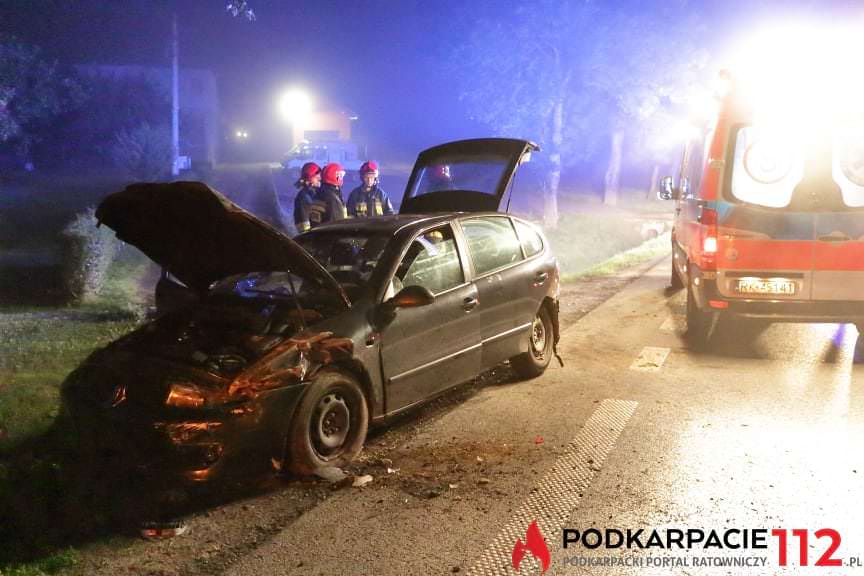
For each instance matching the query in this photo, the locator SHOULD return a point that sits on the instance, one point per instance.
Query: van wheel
(675, 281)
(329, 426)
(698, 321)
(533, 363)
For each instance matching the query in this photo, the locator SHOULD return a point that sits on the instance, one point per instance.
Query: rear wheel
(698, 321)
(675, 281)
(533, 363)
(330, 424)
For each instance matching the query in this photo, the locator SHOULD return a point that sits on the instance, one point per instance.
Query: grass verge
(645, 252)
(44, 567)
(583, 241)
(39, 347)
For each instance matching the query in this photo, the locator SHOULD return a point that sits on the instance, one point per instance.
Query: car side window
(492, 242)
(531, 241)
(431, 261)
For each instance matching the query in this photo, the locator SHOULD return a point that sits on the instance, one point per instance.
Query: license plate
(779, 286)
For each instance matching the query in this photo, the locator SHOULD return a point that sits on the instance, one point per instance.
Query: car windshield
(261, 284)
(349, 256)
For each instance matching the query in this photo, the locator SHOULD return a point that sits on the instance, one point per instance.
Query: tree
(569, 74)
(143, 152)
(33, 93)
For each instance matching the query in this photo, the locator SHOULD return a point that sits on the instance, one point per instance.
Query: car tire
(533, 363)
(329, 426)
(698, 321)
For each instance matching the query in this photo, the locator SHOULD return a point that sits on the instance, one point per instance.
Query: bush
(87, 255)
(143, 152)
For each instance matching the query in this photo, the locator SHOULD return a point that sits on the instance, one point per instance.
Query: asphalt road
(761, 431)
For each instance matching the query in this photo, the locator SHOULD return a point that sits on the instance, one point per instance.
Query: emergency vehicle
(769, 208)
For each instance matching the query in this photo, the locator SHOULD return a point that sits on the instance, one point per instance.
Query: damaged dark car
(293, 347)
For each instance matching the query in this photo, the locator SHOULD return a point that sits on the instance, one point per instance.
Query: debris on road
(483, 481)
(538, 440)
(361, 481)
(162, 530)
(332, 474)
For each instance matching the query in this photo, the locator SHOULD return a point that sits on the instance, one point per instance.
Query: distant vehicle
(769, 219)
(293, 347)
(345, 153)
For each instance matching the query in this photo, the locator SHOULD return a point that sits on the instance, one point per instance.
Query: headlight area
(186, 396)
(196, 446)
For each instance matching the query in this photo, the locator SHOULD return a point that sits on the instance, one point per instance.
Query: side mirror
(667, 189)
(411, 297)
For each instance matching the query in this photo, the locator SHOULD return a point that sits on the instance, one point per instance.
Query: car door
(430, 348)
(499, 273)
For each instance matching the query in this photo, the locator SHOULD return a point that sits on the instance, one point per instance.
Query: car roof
(397, 222)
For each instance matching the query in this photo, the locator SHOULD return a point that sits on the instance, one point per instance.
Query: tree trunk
(613, 172)
(655, 182)
(550, 191)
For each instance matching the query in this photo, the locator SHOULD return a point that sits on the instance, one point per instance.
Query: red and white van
(769, 218)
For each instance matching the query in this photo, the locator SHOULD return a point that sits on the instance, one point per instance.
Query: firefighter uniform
(331, 204)
(309, 209)
(364, 203)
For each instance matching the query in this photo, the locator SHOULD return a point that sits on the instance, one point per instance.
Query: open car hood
(201, 237)
(464, 176)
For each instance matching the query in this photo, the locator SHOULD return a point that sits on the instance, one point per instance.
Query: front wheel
(329, 426)
(533, 363)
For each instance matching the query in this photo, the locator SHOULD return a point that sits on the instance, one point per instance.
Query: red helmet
(333, 174)
(309, 170)
(369, 166)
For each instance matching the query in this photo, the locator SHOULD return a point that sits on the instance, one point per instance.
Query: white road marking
(559, 492)
(668, 325)
(651, 359)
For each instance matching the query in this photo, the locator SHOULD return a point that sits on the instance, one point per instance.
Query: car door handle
(469, 303)
(540, 277)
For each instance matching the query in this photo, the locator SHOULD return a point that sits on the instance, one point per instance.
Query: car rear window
(531, 241)
(492, 242)
(476, 174)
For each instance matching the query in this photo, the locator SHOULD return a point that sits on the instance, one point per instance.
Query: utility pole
(175, 102)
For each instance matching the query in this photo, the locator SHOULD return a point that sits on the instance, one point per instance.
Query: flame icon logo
(534, 543)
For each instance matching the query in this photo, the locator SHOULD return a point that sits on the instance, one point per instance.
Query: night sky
(385, 60)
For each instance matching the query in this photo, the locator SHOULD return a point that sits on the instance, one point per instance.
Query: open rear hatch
(464, 176)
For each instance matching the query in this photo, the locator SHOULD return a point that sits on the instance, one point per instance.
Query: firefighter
(308, 209)
(330, 193)
(439, 178)
(368, 199)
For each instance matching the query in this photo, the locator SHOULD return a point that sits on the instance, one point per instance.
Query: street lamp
(295, 105)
